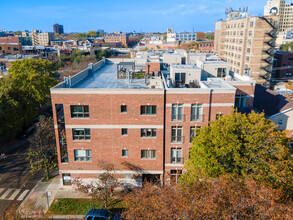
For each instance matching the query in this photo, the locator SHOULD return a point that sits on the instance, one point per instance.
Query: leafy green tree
(286, 47)
(241, 145)
(210, 36)
(102, 53)
(61, 61)
(35, 76)
(92, 34)
(76, 56)
(42, 154)
(22, 92)
(17, 33)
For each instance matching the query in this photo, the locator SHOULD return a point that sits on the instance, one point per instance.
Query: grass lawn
(78, 206)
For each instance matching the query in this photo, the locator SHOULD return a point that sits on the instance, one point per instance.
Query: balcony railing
(178, 160)
(177, 139)
(178, 117)
(196, 117)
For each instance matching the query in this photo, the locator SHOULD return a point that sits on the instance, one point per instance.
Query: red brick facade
(151, 67)
(106, 121)
(116, 38)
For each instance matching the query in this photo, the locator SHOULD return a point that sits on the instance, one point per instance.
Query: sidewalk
(36, 204)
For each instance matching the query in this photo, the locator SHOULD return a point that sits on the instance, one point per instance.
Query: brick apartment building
(17, 40)
(142, 126)
(206, 46)
(283, 66)
(10, 48)
(247, 43)
(116, 38)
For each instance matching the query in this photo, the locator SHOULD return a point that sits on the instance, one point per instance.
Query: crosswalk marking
(12, 197)
(12, 194)
(5, 194)
(21, 197)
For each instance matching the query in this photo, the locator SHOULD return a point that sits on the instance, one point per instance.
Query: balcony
(177, 160)
(196, 117)
(177, 139)
(178, 117)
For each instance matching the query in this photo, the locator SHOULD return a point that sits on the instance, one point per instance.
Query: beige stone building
(284, 12)
(247, 43)
(40, 38)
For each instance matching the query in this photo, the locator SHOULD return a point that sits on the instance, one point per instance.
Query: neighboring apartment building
(18, 40)
(10, 48)
(117, 38)
(283, 10)
(283, 66)
(206, 46)
(39, 38)
(247, 43)
(58, 29)
(276, 107)
(142, 126)
(172, 36)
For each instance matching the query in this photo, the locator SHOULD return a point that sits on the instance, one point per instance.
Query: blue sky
(120, 15)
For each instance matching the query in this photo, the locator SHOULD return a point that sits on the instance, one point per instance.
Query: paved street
(15, 179)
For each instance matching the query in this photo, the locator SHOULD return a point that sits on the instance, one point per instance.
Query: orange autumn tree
(222, 198)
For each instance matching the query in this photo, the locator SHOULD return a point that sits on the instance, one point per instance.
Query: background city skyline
(113, 15)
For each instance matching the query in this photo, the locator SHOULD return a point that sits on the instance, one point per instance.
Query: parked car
(101, 214)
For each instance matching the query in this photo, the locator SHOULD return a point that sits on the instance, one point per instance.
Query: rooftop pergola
(126, 64)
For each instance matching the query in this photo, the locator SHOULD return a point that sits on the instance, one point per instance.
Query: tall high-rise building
(284, 12)
(247, 43)
(58, 29)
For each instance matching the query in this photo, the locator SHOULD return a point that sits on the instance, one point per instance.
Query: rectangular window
(177, 112)
(176, 155)
(176, 134)
(80, 111)
(124, 153)
(192, 133)
(222, 72)
(83, 155)
(148, 154)
(81, 133)
(148, 110)
(196, 112)
(124, 131)
(123, 108)
(149, 132)
(218, 116)
(240, 101)
(175, 174)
